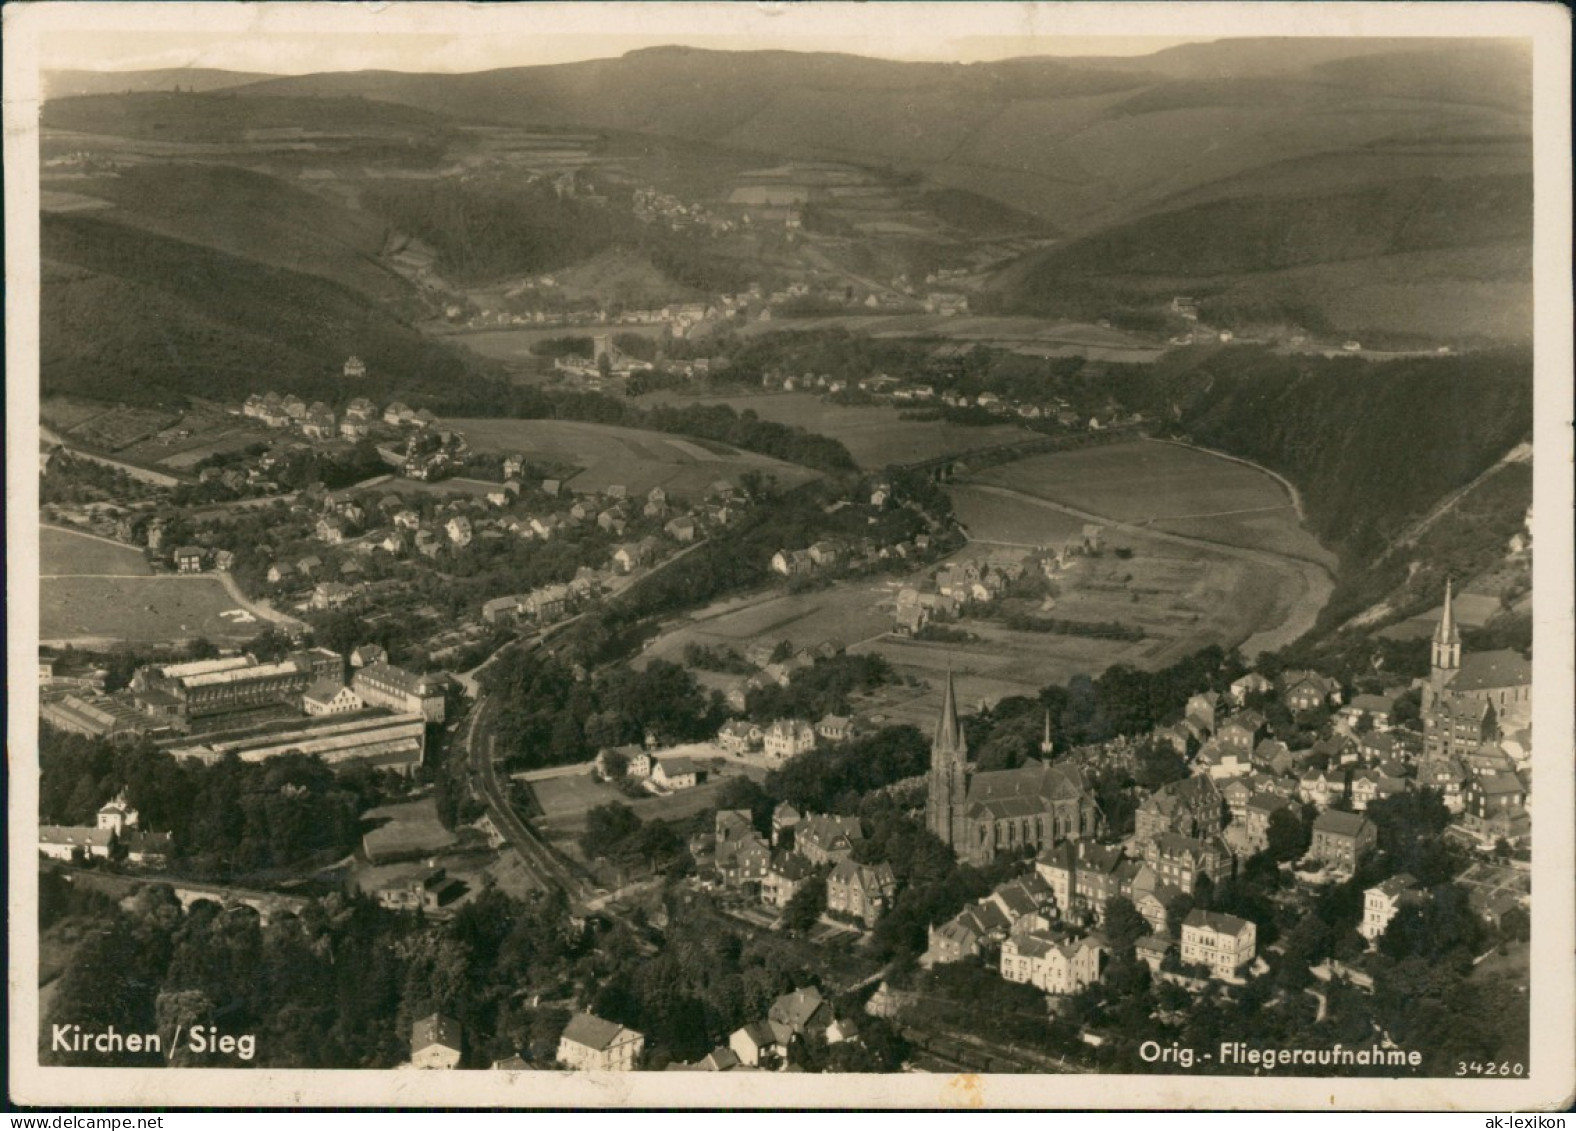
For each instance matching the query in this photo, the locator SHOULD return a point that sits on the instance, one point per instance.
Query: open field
(404, 830)
(141, 610)
(1010, 521)
(201, 432)
(1168, 487)
(874, 435)
(636, 459)
(66, 553)
(566, 800)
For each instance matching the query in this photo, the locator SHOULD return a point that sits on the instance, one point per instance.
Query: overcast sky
(302, 38)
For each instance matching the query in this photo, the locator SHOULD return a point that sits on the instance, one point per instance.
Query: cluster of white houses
(115, 833)
(981, 581)
(594, 1044)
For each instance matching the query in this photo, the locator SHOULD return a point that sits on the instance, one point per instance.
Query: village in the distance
(741, 632)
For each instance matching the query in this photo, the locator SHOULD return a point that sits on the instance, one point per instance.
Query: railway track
(545, 867)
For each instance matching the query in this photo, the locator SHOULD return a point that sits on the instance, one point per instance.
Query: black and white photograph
(914, 554)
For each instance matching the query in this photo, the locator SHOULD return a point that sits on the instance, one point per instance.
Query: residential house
(1181, 861)
(787, 875)
(792, 563)
(189, 559)
(435, 1042)
(1241, 732)
(590, 1044)
(835, 728)
(630, 556)
(673, 771)
(1221, 942)
(743, 860)
(459, 530)
(1051, 963)
(1383, 901)
(331, 530)
(863, 891)
(1152, 950)
(368, 654)
(681, 529)
(826, 553)
(760, 1044)
(329, 697)
(1308, 691)
(331, 595)
(1222, 761)
(826, 840)
(428, 544)
(739, 736)
(1191, 807)
(280, 571)
(611, 521)
(1377, 709)
(1368, 786)
(952, 941)
(150, 850)
(66, 842)
(1082, 877)
(1260, 810)
(785, 818)
(1447, 775)
(1340, 839)
(802, 1012)
(788, 738)
(637, 760)
(1321, 787)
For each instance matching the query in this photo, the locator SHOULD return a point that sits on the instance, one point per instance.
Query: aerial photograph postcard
(918, 555)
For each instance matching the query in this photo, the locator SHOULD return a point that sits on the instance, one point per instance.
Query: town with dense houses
(622, 604)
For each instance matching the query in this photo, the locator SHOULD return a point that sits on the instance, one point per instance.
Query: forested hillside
(140, 318)
(1372, 446)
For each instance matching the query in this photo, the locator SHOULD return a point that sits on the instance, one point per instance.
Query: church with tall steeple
(984, 814)
(1469, 698)
(949, 772)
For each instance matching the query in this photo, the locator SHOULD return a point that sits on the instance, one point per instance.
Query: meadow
(638, 460)
(1168, 487)
(68, 553)
(141, 610)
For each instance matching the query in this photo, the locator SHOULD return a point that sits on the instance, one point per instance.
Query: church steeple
(949, 733)
(1046, 745)
(947, 796)
(1446, 651)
